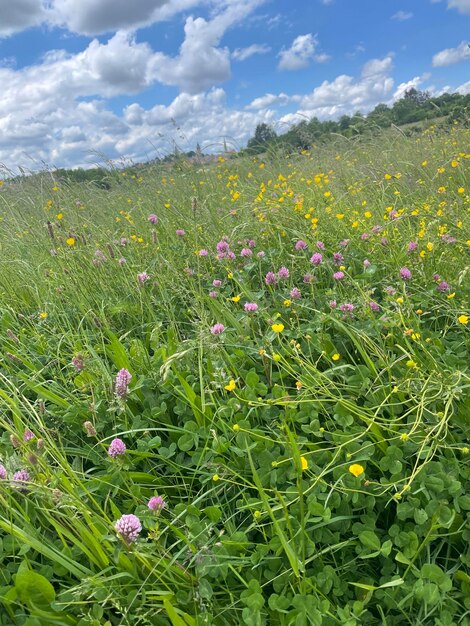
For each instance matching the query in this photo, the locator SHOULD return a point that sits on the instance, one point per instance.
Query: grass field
(238, 393)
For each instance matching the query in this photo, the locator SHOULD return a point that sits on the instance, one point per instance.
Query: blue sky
(105, 79)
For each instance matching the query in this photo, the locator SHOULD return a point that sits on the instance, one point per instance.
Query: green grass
(253, 437)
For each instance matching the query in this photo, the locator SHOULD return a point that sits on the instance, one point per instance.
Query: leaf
(33, 588)
(369, 539)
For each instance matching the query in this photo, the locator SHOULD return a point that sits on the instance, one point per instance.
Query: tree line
(415, 106)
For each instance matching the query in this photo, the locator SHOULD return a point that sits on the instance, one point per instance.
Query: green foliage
(314, 473)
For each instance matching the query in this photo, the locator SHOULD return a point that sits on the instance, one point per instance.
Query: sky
(84, 82)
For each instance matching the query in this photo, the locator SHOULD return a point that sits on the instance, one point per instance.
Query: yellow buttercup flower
(43, 315)
(231, 385)
(236, 299)
(278, 328)
(462, 319)
(70, 241)
(303, 463)
(356, 469)
(336, 356)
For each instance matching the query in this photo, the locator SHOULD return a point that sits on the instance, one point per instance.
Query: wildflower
(216, 282)
(28, 435)
(43, 315)
(213, 294)
(203, 252)
(338, 275)
(270, 278)
(405, 273)
(19, 479)
(261, 254)
(128, 527)
(215, 477)
(78, 362)
(251, 307)
(411, 364)
(217, 329)
(70, 241)
(308, 278)
(222, 246)
(283, 272)
(356, 469)
(15, 442)
(123, 379)
(90, 429)
(346, 307)
(236, 298)
(463, 319)
(276, 357)
(443, 286)
(366, 263)
(122, 261)
(246, 252)
(316, 258)
(373, 306)
(231, 385)
(336, 356)
(300, 245)
(332, 304)
(3, 472)
(277, 328)
(143, 277)
(156, 504)
(303, 463)
(152, 218)
(390, 291)
(295, 293)
(180, 232)
(116, 448)
(338, 258)
(320, 245)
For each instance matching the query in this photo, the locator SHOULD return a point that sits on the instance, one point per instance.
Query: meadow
(238, 392)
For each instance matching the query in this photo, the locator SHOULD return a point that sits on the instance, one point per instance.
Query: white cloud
(241, 54)
(402, 88)
(19, 14)
(345, 95)
(463, 6)
(451, 55)
(402, 16)
(268, 100)
(464, 89)
(301, 53)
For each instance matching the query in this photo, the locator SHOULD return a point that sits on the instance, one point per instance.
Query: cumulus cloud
(268, 100)
(449, 56)
(463, 6)
(241, 54)
(345, 94)
(20, 14)
(301, 53)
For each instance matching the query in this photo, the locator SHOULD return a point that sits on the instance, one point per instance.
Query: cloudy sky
(86, 80)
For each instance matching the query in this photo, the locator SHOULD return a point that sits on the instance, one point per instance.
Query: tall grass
(313, 457)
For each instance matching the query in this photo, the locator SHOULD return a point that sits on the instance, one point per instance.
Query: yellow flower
(215, 477)
(236, 428)
(278, 328)
(455, 163)
(236, 299)
(231, 385)
(43, 315)
(70, 241)
(461, 190)
(462, 319)
(230, 275)
(356, 469)
(387, 176)
(276, 357)
(451, 295)
(336, 356)
(287, 302)
(303, 463)
(411, 364)
(59, 216)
